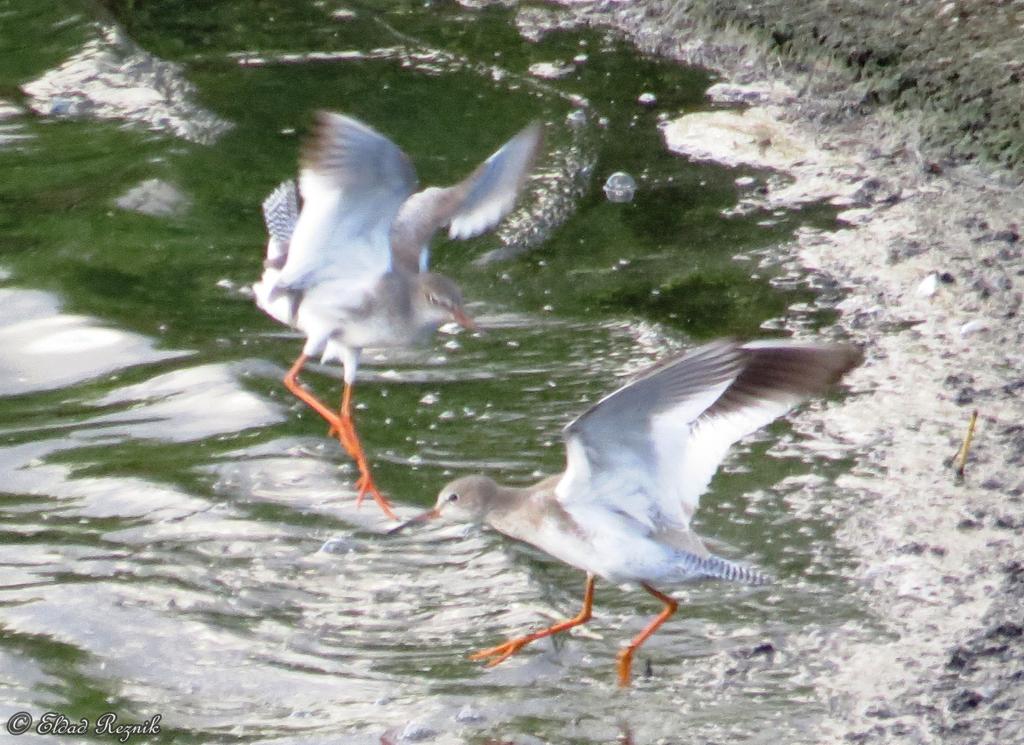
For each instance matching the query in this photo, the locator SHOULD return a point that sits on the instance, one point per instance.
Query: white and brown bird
(636, 465)
(347, 265)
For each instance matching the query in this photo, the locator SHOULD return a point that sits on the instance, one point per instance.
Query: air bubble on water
(337, 546)
(620, 187)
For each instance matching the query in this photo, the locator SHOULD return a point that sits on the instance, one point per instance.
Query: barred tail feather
(281, 212)
(715, 567)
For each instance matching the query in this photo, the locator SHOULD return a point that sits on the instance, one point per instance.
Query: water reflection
(42, 348)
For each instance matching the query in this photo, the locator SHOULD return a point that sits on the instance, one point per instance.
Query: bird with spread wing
(637, 463)
(348, 255)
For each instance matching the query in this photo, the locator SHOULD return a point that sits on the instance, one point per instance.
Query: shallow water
(178, 536)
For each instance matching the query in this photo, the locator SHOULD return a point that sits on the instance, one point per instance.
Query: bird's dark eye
(453, 498)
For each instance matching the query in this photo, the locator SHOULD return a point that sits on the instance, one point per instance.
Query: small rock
(755, 138)
(111, 77)
(1008, 630)
(909, 249)
(875, 191)
(959, 660)
(992, 650)
(764, 648)
(752, 93)
(976, 326)
(880, 711)
(913, 549)
(964, 396)
(552, 70)
(468, 715)
(1012, 387)
(155, 198)
(902, 729)
(416, 732)
(929, 286)
(983, 287)
(965, 701)
(1008, 523)
(958, 380)
(859, 216)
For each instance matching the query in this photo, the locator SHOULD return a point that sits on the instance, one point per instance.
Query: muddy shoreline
(929, 256)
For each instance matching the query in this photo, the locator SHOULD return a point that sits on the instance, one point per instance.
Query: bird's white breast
(608, 544)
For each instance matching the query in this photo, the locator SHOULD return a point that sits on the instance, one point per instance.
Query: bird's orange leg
(343, 427)
(626, 655)
(350, 441)
(291, 382)
(497, 655)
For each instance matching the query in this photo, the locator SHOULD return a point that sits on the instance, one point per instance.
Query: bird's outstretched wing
(649, 449)
(353, 181)
(471, 207)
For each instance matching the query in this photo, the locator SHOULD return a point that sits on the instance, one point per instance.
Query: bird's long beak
(463, 320)
(420, 518)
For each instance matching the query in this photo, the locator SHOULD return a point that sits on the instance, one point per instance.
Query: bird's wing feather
(471, 207)
(280, 213)
(353, 181)
(777, 377)
(650, 449)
